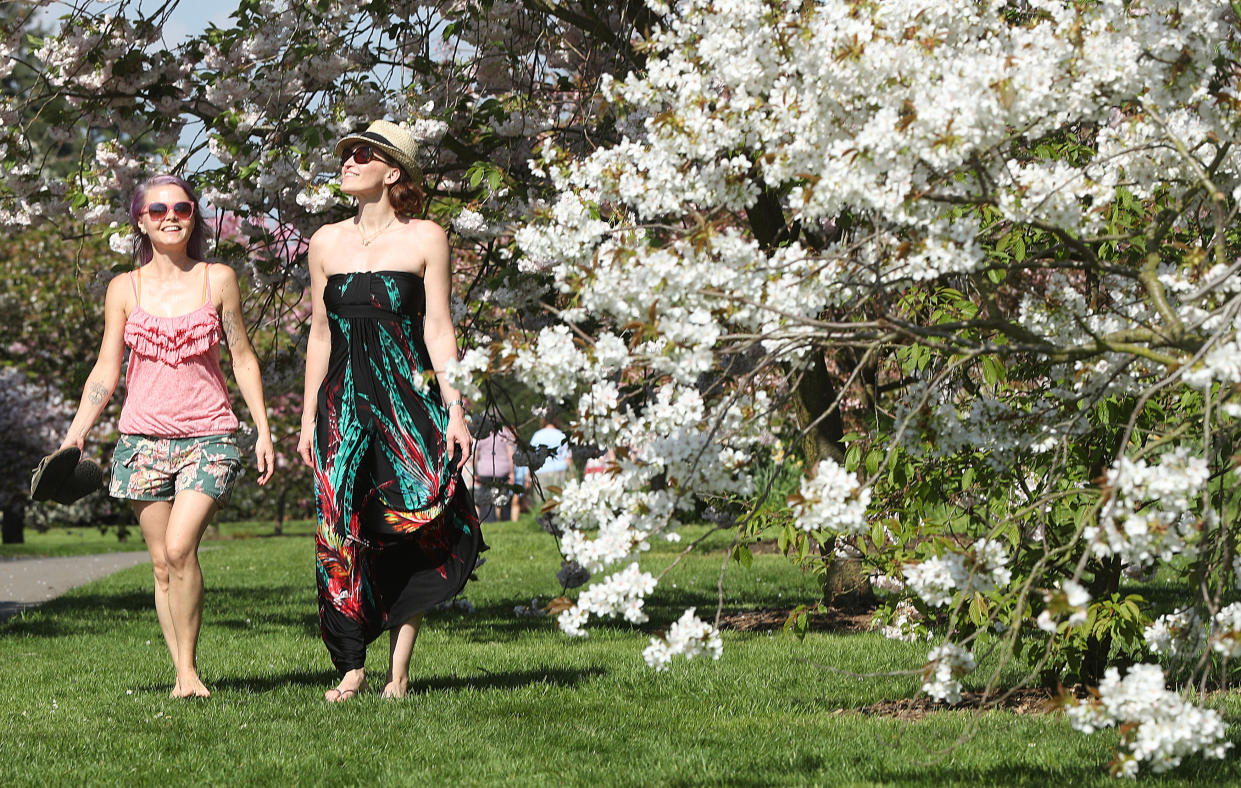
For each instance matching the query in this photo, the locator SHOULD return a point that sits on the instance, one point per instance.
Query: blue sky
(189, 17)
(192, 17)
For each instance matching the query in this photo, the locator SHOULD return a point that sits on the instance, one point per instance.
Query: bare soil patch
(853, 618)
(1020, 701)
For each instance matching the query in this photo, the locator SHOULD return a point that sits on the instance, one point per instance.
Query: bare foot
(190, 687)
(351, 684)
(395, 689)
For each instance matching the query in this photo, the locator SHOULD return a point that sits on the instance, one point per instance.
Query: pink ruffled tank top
(174, 387)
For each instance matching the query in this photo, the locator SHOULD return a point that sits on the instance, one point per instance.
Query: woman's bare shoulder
(424, 230)
(220, 274)
(328, 234)
(120, 292)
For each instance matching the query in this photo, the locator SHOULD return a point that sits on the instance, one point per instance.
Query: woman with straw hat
(385, 436)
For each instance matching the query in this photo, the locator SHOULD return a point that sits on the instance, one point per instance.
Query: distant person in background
(177, 460)
(556, 469)
(521, 478)
(600, 464)
(494, 473)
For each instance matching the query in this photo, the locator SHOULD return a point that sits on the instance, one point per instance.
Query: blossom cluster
(982, 568)
(1176, 635)
(946, 666)
(1148, 515)
(907, 623)
(1226, 637)
(1158, 726)
(832, 500)
(689, 637)
(1068, 597)
(620, 593)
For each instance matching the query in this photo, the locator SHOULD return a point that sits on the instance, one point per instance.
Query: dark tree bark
(280, 504)
(845, 581)
(13, 528)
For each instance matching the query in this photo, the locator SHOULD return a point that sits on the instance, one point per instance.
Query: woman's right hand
(306, 444)
(79, 441)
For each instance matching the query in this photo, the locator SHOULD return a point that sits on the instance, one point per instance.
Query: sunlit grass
(497, 699)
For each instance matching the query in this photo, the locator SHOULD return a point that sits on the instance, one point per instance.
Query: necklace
(368, 241)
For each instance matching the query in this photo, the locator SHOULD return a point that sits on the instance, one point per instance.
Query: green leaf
(1019, 249)
(873, 458)
(852, 458)
(743, 556)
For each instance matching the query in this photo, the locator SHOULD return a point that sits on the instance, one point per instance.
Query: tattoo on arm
(96, 394)
(234, 329)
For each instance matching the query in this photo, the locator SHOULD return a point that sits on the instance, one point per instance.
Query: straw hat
(396, 141)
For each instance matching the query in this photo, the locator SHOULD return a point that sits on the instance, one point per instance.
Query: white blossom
(1226, 632)
(1163, 727)
(1177, 635)
(689, 637)
(946, 665)
(832, 500)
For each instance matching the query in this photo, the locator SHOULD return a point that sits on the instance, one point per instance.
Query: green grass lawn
(497, 699)
(89, 541)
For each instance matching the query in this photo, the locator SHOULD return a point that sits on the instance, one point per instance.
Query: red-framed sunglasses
(362, 154)
(158, 210)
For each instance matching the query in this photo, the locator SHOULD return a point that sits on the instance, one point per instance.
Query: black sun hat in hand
(64, 477)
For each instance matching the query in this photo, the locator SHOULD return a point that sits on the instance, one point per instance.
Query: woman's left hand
(458, 434)
(265, 454)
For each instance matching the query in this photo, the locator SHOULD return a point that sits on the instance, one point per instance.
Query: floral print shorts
(156, 469)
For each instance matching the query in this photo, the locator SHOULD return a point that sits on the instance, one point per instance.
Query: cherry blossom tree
(985, 255)
(969, 271)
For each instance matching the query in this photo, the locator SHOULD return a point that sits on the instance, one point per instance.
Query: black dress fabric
(397, 529)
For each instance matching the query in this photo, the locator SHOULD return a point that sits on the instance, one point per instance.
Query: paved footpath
(26, 582)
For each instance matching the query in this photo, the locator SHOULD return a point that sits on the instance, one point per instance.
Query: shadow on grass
(10, 609)
(506, 680)
(484, 680)
(84, 614)
(1089, 773)
(940, 774)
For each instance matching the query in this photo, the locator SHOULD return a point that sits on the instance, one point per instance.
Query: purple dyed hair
(195, 248)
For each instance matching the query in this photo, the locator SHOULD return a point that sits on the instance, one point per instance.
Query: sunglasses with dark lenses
(158, 210)
(362, 154)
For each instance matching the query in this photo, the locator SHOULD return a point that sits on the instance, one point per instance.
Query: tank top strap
(206, 283)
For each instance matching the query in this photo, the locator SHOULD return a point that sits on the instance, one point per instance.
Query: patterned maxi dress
(397, 529)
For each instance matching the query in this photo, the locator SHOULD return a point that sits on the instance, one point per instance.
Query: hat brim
(379, 141)
(86, 478)
(53, 472)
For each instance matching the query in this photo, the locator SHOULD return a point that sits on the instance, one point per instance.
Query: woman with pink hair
(177, 459)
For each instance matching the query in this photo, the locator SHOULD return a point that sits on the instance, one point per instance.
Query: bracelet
(460, 402)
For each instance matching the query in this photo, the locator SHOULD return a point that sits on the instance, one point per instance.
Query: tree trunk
(844, 580)
(1105, 583)
(280, 502)
(13, 529)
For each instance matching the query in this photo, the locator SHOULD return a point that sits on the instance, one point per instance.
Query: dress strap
(135, 281)
(206, 283)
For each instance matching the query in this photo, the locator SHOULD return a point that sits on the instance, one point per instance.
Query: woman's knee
(161, 574)
(181, 556)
